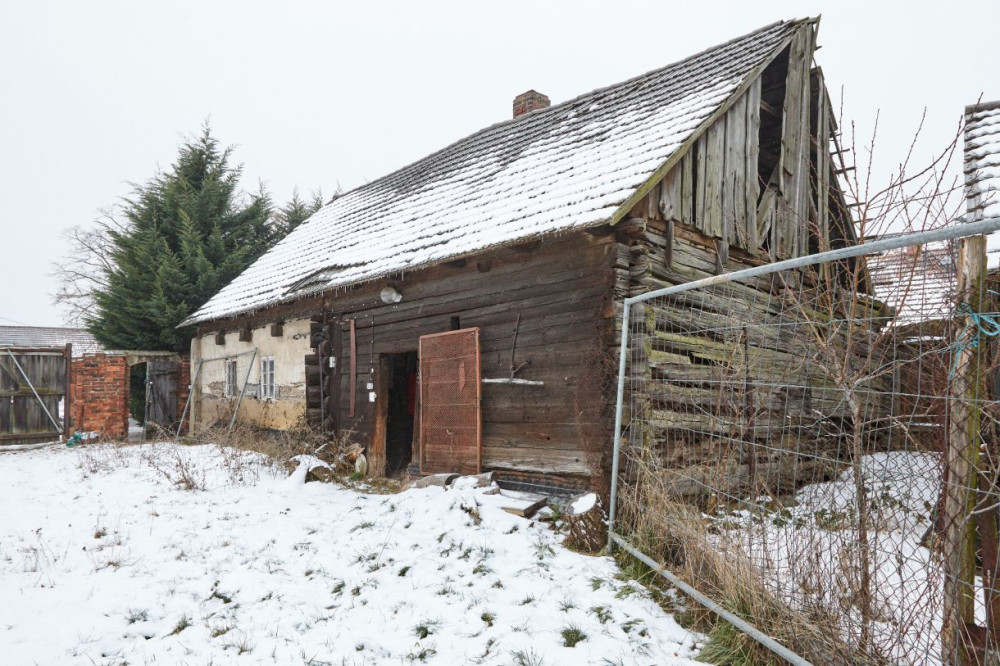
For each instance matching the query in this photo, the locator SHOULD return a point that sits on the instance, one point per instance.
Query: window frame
(267, 391)
(231, 378)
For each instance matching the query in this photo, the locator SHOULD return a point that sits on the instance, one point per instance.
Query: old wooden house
(463, 312)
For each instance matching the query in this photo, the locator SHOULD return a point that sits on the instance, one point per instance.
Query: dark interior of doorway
(137, 392)
(402, 407)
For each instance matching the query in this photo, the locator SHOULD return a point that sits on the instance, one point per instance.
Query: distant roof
(41, 336)
(918, 285)
(566, 167)
(982, 170)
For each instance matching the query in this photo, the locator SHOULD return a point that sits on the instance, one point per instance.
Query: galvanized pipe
(187, 403)
(948, 233)
(735, 620)
(619, 404)
(239, 401)
(230, 357)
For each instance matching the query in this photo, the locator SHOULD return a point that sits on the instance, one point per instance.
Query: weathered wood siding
(556, 294)
(29, 379)
(745, 194)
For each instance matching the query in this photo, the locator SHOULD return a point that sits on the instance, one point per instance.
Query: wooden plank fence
(34, 394)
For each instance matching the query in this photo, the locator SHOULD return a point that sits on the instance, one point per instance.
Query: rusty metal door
(451, 432)
(161, 392)
(33, 388)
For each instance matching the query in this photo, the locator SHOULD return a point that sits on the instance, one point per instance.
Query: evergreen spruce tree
(296, 211)
(188, 233)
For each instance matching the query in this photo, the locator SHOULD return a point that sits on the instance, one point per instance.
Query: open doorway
(152, 394)
(401, 408)
(136, 401)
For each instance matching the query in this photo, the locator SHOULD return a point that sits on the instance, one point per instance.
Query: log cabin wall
(542, 308)
(758, 185)
(555, 293)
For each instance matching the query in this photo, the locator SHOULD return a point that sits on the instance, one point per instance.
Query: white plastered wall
(210, 403)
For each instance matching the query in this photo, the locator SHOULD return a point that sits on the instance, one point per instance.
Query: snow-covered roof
(982, 170)
(49, 336)
(918, 283)
(566, 167)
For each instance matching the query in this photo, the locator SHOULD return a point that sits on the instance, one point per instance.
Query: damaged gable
(579, 164)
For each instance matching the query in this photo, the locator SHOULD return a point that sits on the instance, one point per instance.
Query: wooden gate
(34, 386)
(451, 431)
(161, 392)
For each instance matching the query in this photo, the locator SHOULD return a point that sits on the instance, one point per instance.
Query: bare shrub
(247, 451)
(102, 457)
(178, 468)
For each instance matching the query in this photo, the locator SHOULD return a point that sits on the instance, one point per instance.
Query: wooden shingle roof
(570, 166)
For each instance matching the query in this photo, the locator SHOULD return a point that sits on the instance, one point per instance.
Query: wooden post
(335, 333)
(962, 457)
(352, 370)
(68, 397)
(376, 453)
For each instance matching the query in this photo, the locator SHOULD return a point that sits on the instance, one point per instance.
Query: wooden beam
(353, 370)
(958, 548)
(530, 246)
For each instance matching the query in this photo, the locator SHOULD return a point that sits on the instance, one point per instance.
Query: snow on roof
(42, 336)
(918, 283)
(552, 170)
(982, 170)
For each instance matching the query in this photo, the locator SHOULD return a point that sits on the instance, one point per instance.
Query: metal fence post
(187, 403)
(239, 401)
(622, 358)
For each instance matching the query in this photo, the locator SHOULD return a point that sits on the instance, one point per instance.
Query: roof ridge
(569, 166)
(982, 106)
(574, 100)
(47, 328)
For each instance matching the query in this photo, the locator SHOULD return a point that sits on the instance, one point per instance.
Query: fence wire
(219, 387)
(815, 449)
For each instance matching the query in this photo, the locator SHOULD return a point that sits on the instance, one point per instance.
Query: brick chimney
(529, 101)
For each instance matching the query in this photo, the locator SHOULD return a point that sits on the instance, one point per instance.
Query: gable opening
(772, 102)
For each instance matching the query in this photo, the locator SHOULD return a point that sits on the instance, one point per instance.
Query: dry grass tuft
(676, 534)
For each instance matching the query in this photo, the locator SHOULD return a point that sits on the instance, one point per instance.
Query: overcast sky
(96, 94)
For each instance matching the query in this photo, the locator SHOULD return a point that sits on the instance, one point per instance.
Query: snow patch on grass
(195, 554)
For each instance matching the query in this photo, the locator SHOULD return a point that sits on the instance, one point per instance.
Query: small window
(231, 379)
(267, 378)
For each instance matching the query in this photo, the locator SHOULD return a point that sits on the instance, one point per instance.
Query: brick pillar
(100, 395)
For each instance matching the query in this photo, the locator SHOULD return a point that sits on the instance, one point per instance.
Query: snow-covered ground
(808, 552)
(107, 556)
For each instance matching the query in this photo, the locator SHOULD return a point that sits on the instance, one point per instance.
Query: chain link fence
(810, 449)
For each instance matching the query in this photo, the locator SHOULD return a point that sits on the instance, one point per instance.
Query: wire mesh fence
(219, 386)
(813, 447)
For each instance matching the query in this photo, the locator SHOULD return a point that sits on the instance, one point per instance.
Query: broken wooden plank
(522, 504)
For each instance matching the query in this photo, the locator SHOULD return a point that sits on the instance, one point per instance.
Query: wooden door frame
(380, 418)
